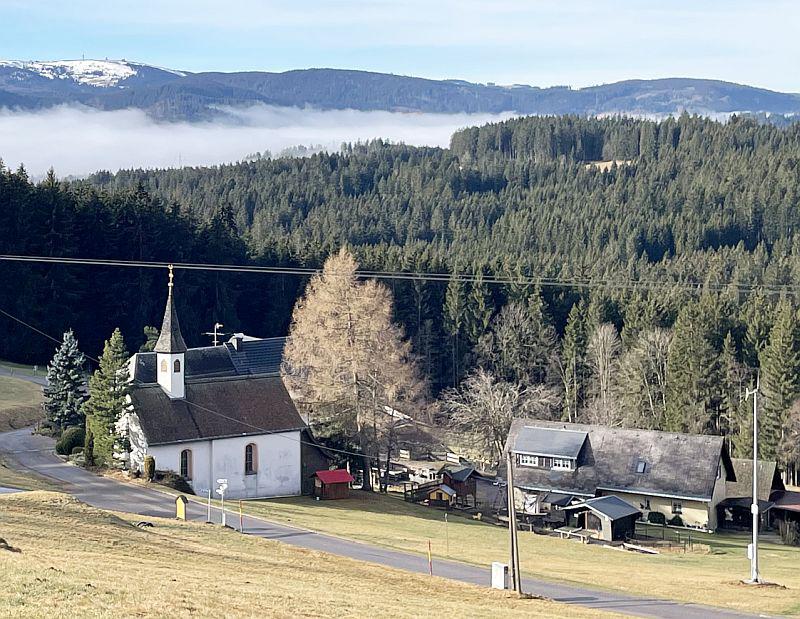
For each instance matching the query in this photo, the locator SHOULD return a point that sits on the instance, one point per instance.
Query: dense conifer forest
(649, 268)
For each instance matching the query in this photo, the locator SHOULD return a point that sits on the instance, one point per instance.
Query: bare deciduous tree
(482, 408)
(642, 384)
(603, 356)
(347, 360)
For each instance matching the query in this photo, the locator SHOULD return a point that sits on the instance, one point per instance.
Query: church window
(186, 464)
(250, 459)
(163, 365)
(177, 366)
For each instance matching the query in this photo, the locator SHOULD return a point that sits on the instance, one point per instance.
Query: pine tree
(151, 337)
(479, 312)
(64, 393)
(108, 399)
(780, 378)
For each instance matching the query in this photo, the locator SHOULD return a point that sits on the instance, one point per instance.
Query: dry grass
(80, 561)
(693, 577)
(20, 403)
(605, 166)
(10, 477)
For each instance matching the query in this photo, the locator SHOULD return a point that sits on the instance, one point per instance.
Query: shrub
(70, 439)
(676, 521)
(77, 450)
(149, 468)
(176, 482)
(656, 518)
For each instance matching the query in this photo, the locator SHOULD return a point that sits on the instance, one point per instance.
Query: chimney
(236, 340)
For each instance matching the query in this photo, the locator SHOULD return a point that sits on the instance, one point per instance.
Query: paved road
(35, 453)
(6, 371)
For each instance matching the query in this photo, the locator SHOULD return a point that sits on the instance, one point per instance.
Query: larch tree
(64, 393)
(108, 400)
(348, 362)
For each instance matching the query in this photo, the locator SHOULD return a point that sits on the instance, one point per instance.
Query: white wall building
(219, 412)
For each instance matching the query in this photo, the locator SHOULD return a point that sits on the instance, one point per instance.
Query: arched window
(163, 365)
(186, 464)
(250, 459)
(176, 367)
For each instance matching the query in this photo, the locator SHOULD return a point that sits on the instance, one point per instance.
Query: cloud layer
(78, 141)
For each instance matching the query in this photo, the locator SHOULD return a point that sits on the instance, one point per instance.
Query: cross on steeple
(171, 275)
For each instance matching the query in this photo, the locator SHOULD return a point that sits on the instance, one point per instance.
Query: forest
(621, 271)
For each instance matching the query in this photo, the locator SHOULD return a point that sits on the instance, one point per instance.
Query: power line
(558, 282)
(40, 332)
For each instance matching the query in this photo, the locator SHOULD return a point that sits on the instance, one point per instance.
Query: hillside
(113, 568)
(179, 95)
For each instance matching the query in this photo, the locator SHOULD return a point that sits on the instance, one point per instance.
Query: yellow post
(180, 507)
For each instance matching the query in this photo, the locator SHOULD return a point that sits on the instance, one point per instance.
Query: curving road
(35, 453)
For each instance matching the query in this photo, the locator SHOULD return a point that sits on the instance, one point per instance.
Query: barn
(607, 517)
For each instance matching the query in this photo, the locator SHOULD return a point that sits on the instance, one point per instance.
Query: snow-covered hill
(96, 73)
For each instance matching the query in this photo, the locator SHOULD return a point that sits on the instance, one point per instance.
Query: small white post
(208, 516)
(223, 485)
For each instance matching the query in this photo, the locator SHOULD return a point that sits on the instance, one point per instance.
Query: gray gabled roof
(170, 339)
(676, 465)
(554, 442)
(254, 356)
(611, 506)
(769, 480)
(216, 408)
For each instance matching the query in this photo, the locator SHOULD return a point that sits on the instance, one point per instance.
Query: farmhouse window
(250, 459)
(186, 464)
(641, 466)
(562, 463)
(677, 508)
(527, 460)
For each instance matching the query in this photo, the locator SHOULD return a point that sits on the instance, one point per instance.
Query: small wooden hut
(333, 484)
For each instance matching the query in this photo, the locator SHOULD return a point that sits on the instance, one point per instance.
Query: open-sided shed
(611, 517)
(333, 484)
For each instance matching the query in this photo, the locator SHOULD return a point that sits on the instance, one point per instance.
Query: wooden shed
(333, 484)
(462, 479)
(441, 495)
(607, 517)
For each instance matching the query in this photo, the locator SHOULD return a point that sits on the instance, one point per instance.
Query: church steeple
(170, 339)
(170, 350)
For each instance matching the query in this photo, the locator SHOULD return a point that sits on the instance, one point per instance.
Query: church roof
(216, 408)
(170, 339)
(250, 356)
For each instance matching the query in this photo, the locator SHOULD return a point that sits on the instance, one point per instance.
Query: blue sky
(575, 42)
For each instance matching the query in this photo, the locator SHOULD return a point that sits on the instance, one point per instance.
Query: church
(218, 412)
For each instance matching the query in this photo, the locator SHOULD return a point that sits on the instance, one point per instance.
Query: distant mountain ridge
(168, 94)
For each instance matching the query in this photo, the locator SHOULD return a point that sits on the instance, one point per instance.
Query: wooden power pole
(516, 578)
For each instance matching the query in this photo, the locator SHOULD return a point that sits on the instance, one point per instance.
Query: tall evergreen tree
(108, 399)
(64, 393)
(780, 378)
(572, 361)
(455, 316)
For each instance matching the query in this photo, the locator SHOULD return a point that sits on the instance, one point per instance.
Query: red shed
(332, 484)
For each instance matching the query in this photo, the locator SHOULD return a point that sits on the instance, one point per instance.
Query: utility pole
(516, 578)
(754, 575)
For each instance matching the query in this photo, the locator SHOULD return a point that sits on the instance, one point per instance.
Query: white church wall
(278, 466)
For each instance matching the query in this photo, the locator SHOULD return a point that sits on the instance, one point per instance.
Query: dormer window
(546, 462)
(641, 466)
(176, 367)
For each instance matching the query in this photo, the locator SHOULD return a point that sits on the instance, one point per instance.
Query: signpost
(223, 486)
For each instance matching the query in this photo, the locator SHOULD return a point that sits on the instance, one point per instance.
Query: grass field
(702, 577)
(79, 561)
(20, 403)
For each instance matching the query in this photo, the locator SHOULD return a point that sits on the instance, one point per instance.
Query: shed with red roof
(332, 484)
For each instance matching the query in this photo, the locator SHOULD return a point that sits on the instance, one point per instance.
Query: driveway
(35, 453)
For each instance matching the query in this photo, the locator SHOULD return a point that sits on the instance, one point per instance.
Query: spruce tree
(108, 398)
(454, 319)
(692, 373)
(573, 359)
(780, 379)
(64, 393)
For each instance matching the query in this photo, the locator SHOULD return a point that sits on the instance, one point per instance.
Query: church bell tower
(171, 350)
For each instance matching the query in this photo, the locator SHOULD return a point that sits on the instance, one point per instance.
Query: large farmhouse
(674, 474)
(219, 412)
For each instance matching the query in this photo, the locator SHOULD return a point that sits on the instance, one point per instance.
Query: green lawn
(20, 403)
(709, 577)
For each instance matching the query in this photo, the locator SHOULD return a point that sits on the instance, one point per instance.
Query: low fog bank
(77, 141)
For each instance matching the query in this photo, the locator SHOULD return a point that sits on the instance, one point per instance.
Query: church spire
(170, 340)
